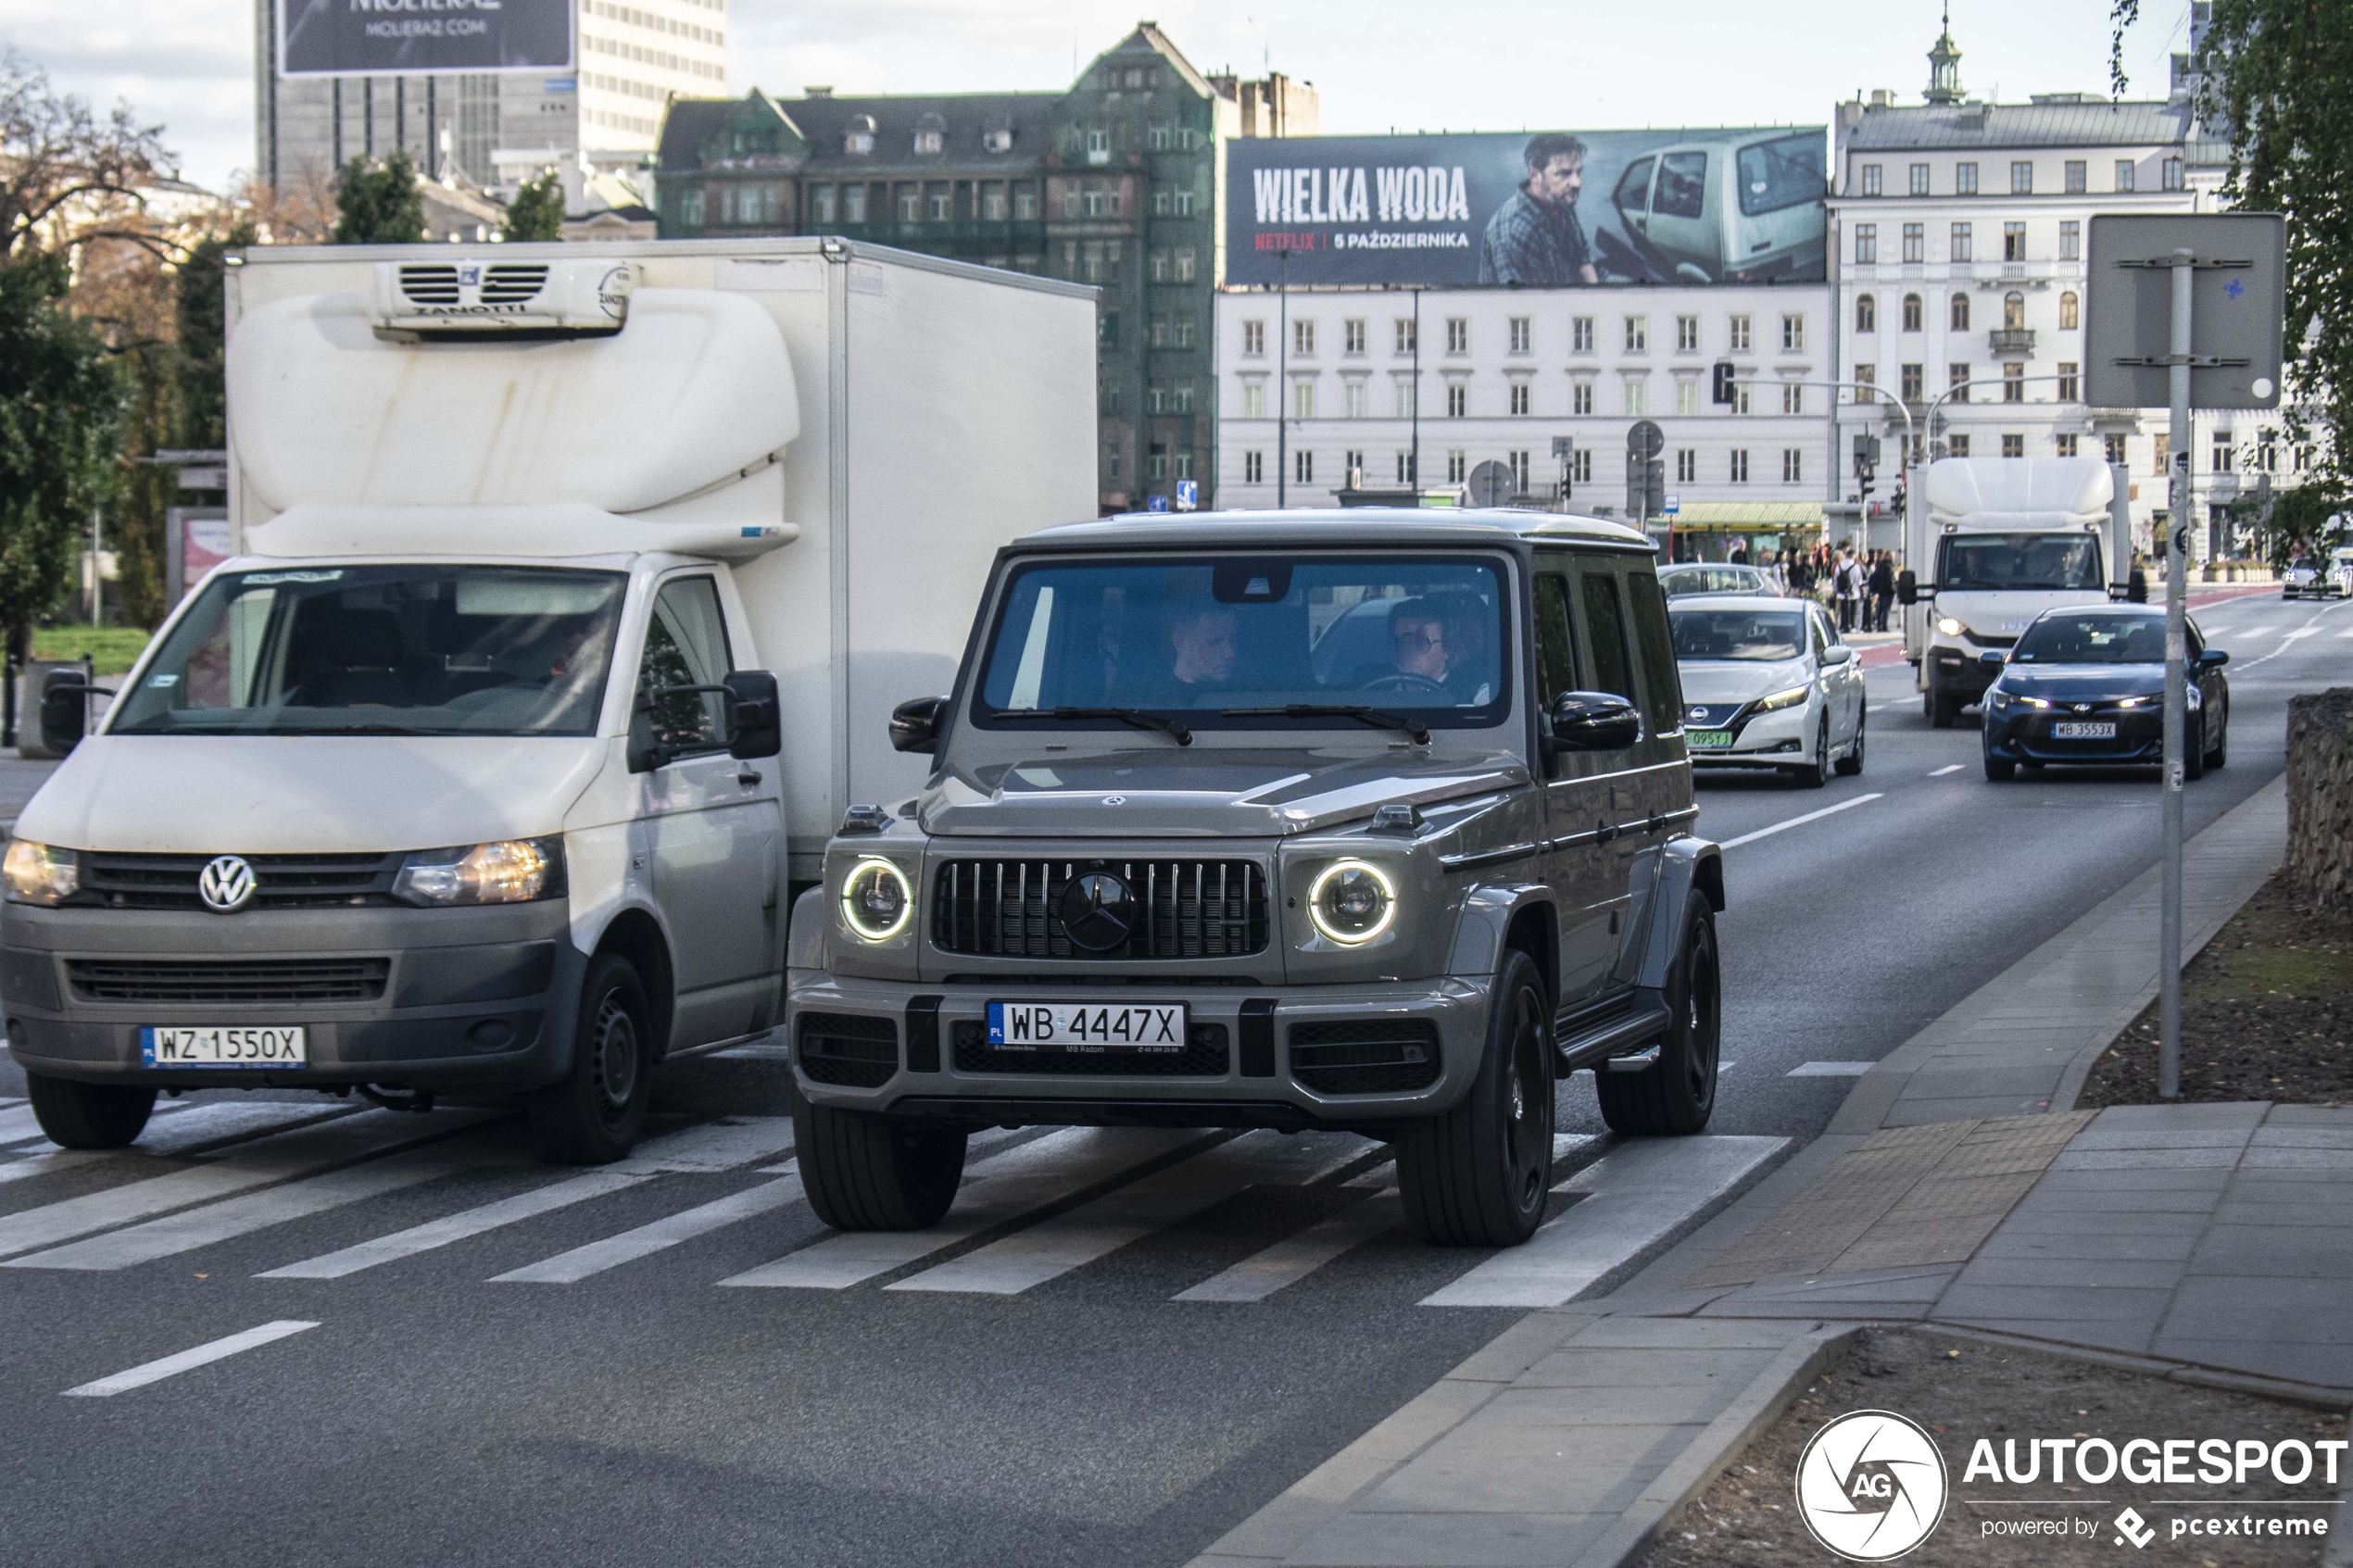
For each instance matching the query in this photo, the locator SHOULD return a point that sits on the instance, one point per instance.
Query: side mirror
(1991, 659)
(915, 726)
(2212, 658)
(756, 721)
(64, 710)
(1594, 721)
(647, 750)
(1907, 587)
(1838, 653)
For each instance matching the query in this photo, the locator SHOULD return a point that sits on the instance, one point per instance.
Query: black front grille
(1186, 908)
(260, 979)
(853, 1052)
(124, 881)
(1367, 1056)
(512, 283)
(435, 285)
(1206, 1055)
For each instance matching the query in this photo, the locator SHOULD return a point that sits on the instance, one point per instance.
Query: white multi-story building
(1958, 236)
(496, 130)
(1316, 383)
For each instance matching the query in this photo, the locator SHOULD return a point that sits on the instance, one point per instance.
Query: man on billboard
(1534, 238)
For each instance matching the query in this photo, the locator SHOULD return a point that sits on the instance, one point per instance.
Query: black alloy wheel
(866, 1172)
(1815, 774)
(1852, 763)
(88, 1115)
(593, 1114)
(1676, 1095)
(1480, 1174)
(2222, 752)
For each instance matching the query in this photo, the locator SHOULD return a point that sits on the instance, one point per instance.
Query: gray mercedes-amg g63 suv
(1369, 820)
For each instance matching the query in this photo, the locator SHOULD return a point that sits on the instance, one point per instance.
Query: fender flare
(805, 932)
(1688, 868)
(1486, 919)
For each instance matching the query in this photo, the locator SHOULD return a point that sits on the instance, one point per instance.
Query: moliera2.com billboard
(420, 37)
(1547, 209)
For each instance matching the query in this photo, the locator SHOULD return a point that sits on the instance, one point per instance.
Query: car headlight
(1789, 698)
(1951, 627)
(2195, 699)
(1351, 902)
(508, 870)
(38, 874)
(876, 899)
(2136, 702)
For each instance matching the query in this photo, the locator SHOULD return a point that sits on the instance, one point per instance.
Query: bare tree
(67, 177)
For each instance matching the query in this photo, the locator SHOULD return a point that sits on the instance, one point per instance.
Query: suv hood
(2004, 613)
(1203, 792)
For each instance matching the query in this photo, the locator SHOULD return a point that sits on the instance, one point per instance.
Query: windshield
(430, 649)
(1419, 636)
(2094, 639)
(1686, 579)
(1765, 635)
(2019, 561)
(1782, 173)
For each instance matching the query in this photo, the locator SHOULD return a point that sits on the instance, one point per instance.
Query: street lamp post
(1282, 379)
(1903, 531)
(1415, 473)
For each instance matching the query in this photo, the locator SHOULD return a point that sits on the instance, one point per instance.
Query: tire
(1815, 774)
(2193, 763)
(88, 1115)
(593, 1115)
(1674, 1096)
(2000, 772)
(1942, 712)
(1852, 763)
(2222, 752)
(864, 1171)
(1480, 1174)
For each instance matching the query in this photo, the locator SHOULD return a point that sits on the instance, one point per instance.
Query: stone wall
(2320, 797)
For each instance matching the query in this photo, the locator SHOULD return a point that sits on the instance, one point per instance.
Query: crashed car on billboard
(1549, 210)
(422, 37)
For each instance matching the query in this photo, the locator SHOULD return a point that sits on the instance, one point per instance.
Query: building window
(1686, 465)
(1960, 312)
(2013, 381)
(1687, 396)
(2124, 174)
(1107, 330)
(2171, 172)
(1870, 179)
(941, 202)
(821, 204)
(1519, 397)
(1792, 397)
(1254, 338)
(1792, 465)
(1407, 401)
(1302, 467)
(1408, 339)
(1187, 263)
(2013, 311)
(1956, 378)
(910, 204)
(1580, 336)
(1519, 473)
(1024, 202)
(927, 143)
(1792, 333)
(2078, 177)
(1352, 336)
(1637, 395)
(1739, 464)
(1866, 244)
(1911, 312)
(2070, 311)
(1405, 474)
(1353, 467)
(1912, 383)
(1458, 400)
(1580, 398)
(2116, 449)
(1915, 242)
(2013, 447)
(1919, 179)
(1965, 178)
(2064, 446)
(1156, 461)
(2013, 242)
(1687, 334)
(2223, 460)
(1519, 335)
(1253, 401)
(1963, 246)
(2070, 240)
(853, 204)
(1580, 466)
(1302, 338)
(1638, 334)
(992, 202)
(1352, 398)
(1458, 334)
(1865, 313)
(1254, 467)
(1957, 445)
(1867, 384)
(1303, 401)
(2022, 178)
(1457, 465)
(690, 206)
(1740, 325)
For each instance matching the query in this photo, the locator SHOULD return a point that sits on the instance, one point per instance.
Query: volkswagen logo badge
(1096, 910)
(226, 884)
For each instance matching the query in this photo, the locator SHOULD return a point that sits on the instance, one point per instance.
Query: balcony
(2012, 342)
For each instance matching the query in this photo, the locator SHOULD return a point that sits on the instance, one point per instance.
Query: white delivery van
(490, 760)
(1996, 542)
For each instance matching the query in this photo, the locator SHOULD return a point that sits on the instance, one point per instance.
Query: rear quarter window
(1655, 646)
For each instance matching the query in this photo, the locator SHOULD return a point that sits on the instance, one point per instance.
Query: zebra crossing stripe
(569, 1268)
(1295, 1257)
(1053, 1247)
(189, 1360)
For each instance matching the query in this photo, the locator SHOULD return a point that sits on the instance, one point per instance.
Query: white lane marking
(1829, 1070)
(23, 1126)
(178, 1125)
(264, 1162)
(1053, 1247)
(2254, 631)
(188, 1361)
(1798, 822)
(2299, 632)
(1948, 768)
(1295, 1257)
(716, 1146)
(1631, 1199)
(997, 1191)
(569, 1268)
(2346, 633)
(2286, 644)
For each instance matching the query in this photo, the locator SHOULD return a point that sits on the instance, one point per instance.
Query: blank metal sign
(2236, 312)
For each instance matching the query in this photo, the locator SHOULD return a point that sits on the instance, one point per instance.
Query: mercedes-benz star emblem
(1096, 910)
(225, 883)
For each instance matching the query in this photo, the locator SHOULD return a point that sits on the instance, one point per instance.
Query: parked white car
(1701, 577)
(1766, 684)
(2320, 577)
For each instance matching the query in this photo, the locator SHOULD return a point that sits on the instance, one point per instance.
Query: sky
(1377, 64)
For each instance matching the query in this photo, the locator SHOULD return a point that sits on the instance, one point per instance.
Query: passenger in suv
(1365, 820)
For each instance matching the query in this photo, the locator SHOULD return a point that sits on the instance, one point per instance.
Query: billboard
(422, 37)
(1546, 209)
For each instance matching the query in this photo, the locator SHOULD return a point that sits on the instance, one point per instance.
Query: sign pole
(2169, 1062)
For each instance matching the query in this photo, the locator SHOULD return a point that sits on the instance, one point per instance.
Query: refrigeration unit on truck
(490, 760)
(1996, 542)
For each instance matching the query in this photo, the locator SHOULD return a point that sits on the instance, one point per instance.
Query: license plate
(1087, 1026)
(1708, 740)
(2073, 729)
(223, 1047)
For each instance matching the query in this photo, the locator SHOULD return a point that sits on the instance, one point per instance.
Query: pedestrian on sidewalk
(1846, 584)
(1883, 587)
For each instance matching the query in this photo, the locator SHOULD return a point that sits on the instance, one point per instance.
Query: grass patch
(113, 648)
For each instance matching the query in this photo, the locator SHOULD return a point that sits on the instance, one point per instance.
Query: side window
(1822, 637)
(1606, 631)
(686, 645)
(1662, 682)
(1555, 653)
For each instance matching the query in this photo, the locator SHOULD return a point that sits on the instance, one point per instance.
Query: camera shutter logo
(226, 884)
(1871, 1486)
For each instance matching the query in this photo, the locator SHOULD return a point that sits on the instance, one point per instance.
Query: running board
(1631, 1033)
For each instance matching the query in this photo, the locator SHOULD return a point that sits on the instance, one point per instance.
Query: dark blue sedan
(2086, 684)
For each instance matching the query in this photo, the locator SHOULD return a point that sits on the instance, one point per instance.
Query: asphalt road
(1037, 1394)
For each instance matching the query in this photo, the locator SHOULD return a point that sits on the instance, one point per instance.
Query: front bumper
(1784, 738)
(482, 998)
(2018, 735)
(1955, 672)
(1275, 1057)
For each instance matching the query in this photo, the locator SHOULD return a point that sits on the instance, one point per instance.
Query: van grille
(1206, 1055)
(429, 285)
(269, 980)
(512, 283)
(1186, 908)
(1367, 1056)
(853, 1052)
(281, 881)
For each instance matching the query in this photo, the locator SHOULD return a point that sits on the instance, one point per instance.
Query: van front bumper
(479, 997)
(1300, 1055)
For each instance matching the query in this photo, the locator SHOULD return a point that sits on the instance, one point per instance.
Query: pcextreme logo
(1871, 1486)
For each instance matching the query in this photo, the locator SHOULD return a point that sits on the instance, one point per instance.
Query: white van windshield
(2019, 561)
(376, 650)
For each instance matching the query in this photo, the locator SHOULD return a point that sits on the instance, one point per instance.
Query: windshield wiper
(1136, 716)
(356, 730)
(1373, 716)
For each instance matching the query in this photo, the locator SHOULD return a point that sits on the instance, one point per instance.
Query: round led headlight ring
(876, 901)
(1351, 902)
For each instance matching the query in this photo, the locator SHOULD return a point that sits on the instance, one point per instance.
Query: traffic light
(1723, 384)
(1866, 460)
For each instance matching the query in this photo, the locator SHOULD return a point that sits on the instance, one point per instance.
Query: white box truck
(490, 760)
(1996, 542)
